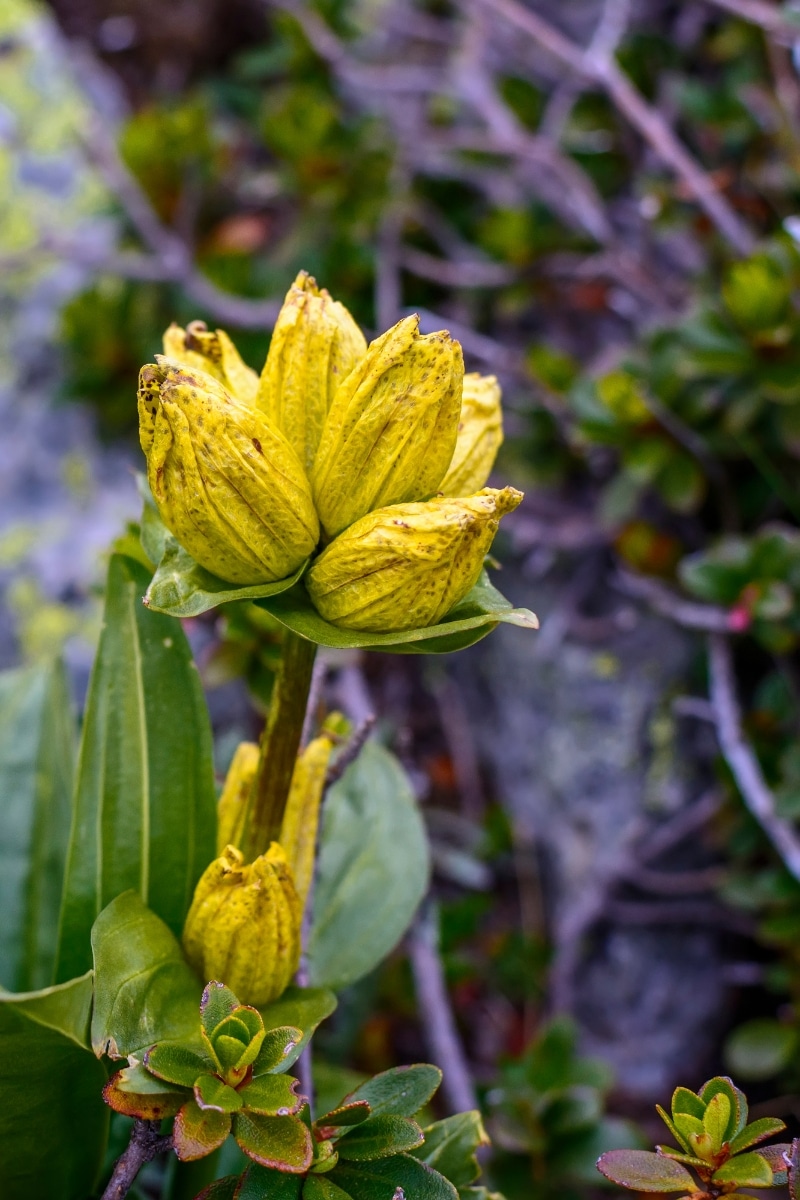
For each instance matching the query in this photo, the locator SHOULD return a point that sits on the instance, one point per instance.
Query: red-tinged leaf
(211, 1093)
(751, 1135)
(220, 1189)
(198, 1132)
(176, 1064)
(643, 1171)
(218, 1002)
(775, 1157)
(273, 1096)
(746, 1170)
(135, 1094)
(283, 1143)
(343, 1116)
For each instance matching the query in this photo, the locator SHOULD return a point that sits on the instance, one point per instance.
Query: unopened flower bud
(243, 927)
(405, 566)
(301, 815)
(480, 435)
(232, 806)
(200, 349)
(391, 431)
(315, 344)
(227, 485)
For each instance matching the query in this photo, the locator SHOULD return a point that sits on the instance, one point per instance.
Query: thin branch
(436, 1014)
(351, 751)
(770, 18)
(145, 1144)
(602, 69)
(741, 757)
(667, 603)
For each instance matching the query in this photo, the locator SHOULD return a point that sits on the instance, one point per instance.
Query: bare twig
(436, 1014)
(351, 751)
(666, 603)
(741, 757)
(601, 69)
(146, 1142)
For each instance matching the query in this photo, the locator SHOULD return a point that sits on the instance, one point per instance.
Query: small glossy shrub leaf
(216, 1003)
(261, 1183)
(738, 1104)
(684, 1101)
(145, 992)
(210, 1092)
(53, 1121)
(379, 1137)
(197, 1132)
(320, 1187)
(176, 1064)
(471, 619)
(280, 1142)
(690, 1160)
(272, 1096)
(136, 1093)
(276, 1049)
(643, 1171)
(381, 1180)
(746, 1170)
(182, 588)
(689, 1126)
(144, 813)
(776, 1156)
(37, 736)
(300, 1008)
(756, 1132)
(673, 1128)
(373, 869)
(400, 1091)
(346, 1114)
(450, 1147)
(716, 1119)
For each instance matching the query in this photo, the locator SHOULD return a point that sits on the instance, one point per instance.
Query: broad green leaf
(182, 588)
(754, 1133)
(272, 1096)
(197, 1131)
(301, 1008)
(379, 1137)
(746, 1170)
(319, 1187)
(471, 619)
(400, 1091)
(216, 1003)
(760, 1048)
(373, 869)
(381, 1180)
(53, 1120)
(684, 1101)
(280, 1142)
(261, 1183)
(175, 1063)
(145, 992)
(643, 1171)
(144, 814)
(450, 1147)
(37, 735)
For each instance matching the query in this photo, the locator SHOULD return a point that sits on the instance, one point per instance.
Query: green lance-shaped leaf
(53, 1122)
(643, 1171)
(373, 869)
(145, 992)
(379, 1137)
(386, 1178)
(37, 735)
(144, 811)
(400, 1091)
(756, 1132)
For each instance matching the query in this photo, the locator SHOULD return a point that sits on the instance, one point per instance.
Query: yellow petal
(200, 349)
(480, 435)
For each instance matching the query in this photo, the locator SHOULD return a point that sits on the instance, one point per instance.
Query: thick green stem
(280, 743)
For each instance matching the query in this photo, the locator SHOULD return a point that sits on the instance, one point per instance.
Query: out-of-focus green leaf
(145, 991)
(373, 869)
(36, 768)
(145, 811)
(53, 1122)
(450, 1147)
(761, 1048)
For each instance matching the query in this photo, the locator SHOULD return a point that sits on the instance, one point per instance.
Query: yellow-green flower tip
(200, 349)
(480, 435)
(227, 485)
(243, 927)
(391, 431)
(315, 344)
(405, 566)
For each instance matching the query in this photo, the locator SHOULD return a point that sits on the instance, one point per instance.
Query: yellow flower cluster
(376, 454)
